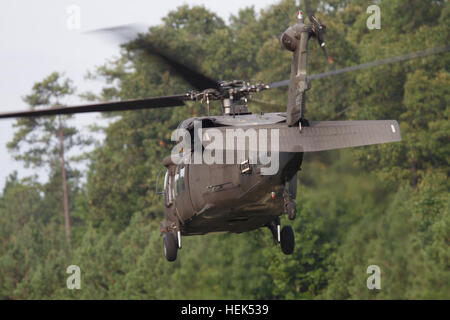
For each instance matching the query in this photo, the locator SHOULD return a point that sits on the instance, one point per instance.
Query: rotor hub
(231, 93)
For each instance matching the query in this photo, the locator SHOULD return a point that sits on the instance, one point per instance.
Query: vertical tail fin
(295, 39)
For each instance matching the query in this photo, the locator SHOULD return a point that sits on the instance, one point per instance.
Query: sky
(40, 37)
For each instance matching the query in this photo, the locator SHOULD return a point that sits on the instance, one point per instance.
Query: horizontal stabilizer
(318, 136)
(330, 135)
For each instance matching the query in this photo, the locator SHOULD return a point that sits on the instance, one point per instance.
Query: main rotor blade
(409, 56)
(267, 104)
(121, 33)
(196, 79)
(130, 33)
(149, 103)
(405, 57)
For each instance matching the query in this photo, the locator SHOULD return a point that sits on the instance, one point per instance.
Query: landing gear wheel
(170, 246)
(287, 240)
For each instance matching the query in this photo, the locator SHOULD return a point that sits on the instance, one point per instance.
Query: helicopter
(244, 192)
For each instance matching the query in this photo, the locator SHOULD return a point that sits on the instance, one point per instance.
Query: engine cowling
(289, 38)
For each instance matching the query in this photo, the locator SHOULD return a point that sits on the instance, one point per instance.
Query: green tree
(43, 142)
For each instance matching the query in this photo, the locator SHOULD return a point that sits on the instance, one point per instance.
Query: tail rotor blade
(327, 56)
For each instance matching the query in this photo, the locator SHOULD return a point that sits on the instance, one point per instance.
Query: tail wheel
(287, 240)
(170, 246)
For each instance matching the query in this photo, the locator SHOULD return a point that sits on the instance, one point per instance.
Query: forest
(384, 205)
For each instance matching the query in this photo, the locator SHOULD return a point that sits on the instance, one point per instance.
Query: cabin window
(168, 189)
(179, 181)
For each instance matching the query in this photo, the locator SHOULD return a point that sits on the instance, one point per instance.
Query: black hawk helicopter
(240, 195)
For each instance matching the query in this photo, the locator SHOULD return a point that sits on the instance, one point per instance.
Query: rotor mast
(234, 94)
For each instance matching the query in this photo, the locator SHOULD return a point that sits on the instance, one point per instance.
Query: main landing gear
(171, 244)
(285, 237)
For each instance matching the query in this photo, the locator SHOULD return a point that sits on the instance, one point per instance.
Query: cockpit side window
(179, 180)
(168, 189)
